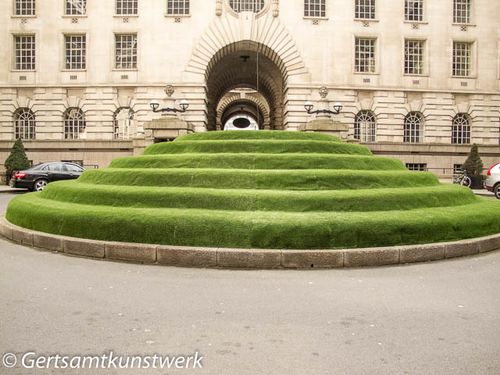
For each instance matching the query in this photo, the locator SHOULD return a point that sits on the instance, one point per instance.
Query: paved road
(436, 318)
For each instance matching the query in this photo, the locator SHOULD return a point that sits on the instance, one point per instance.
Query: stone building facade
(418, 79)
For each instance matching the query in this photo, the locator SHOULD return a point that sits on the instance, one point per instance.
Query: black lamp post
(155, 106)
(337, 107)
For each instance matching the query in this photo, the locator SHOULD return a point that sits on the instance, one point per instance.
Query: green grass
(259, 146)
(277, 230)
(264, 135)
(260, 161)
(259, 200)
(280, 190)
(320, 179)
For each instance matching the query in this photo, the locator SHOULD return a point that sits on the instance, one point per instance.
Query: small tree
(473, 165)
(474, 168)
(17, 159)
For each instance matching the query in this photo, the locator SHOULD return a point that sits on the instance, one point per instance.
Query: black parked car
(38, 176)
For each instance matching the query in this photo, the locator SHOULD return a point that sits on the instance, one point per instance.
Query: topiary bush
(17, 160)
(474, 167)
(281, 190)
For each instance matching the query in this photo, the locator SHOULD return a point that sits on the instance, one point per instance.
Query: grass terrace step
(256, 146)
(259, 200)
(255, 229)
(280, 190)
(320, 179)
(260, 161)
(271, 134)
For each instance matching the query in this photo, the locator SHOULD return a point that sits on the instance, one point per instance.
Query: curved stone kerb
(247, 258)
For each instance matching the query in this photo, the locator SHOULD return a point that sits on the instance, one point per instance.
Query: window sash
(76, 7)
(462, 59)
(126, 7)
(314, 8)
(75, 52)
(414, 57)
(364, 59)
(126, 51)
(413, 128)
(414, 10)
(25, 52)
(25, 7)
(24, 124)
(178, 7)
(364, 9)
(461, 130)
(74, 123)
(461, 11)
(365, 126)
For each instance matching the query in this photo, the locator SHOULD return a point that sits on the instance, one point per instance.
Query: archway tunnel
(248, 78)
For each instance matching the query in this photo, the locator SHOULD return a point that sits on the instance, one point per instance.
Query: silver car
(492, 182)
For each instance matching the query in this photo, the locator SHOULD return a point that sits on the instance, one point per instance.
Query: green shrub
(473, 164)
(17, 160)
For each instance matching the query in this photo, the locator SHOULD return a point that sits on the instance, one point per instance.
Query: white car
(492, 182)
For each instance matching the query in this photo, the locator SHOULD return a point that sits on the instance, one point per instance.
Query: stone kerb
(200, 257)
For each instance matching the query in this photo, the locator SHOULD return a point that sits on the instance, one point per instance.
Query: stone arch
(268, 32)
(248, 65)
(234, 98)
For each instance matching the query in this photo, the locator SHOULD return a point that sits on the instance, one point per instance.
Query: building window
(24, 124)
(414, 57)
(126, 51)
(314, 8)
(364, 9)
(178, 7)
(418, 167)
(24, 8)
(76, 7)
(461, 11)
(462, 58)
(365, 126)
(460, 132)
(413, 127)
(123, 123)
(75, 49)
(126, 7)
(364, 58)
(414, 10)
(246, 5)
(25, 52)
(74, 123)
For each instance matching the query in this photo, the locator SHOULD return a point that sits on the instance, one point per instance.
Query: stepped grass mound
(260, 161)
(259, 200)
(319, 179)
(256, 229)
(266, 146)
(256, 134)
(279, 190)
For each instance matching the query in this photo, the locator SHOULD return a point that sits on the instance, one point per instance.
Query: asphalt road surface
(434, 318)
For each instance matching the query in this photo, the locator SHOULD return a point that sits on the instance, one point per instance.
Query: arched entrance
(249, 78)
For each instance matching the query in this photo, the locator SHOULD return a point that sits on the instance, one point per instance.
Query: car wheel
(496, 190)
(40, 184)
